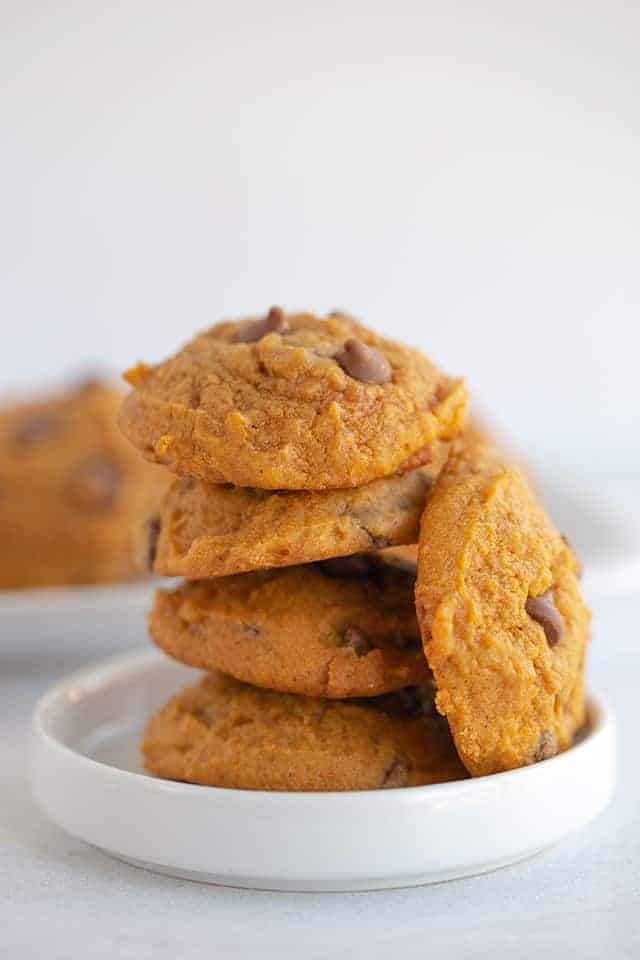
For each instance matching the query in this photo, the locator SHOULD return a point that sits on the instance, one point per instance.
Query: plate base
(340, 885)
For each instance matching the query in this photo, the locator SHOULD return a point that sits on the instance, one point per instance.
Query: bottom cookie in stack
(330, 689)
(228, 734)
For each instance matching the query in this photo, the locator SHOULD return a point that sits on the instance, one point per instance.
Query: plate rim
(602, 725)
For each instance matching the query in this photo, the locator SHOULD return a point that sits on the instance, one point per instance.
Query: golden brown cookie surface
(228, 734)
(293, 403)
(212, 530)
(342, 628)
(505, 627)
(73, 492)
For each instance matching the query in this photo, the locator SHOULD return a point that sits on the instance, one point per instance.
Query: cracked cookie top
(228, 734)
(292, 402)
(343, 628)
(504, 623)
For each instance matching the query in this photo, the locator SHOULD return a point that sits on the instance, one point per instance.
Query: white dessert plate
(87, 777)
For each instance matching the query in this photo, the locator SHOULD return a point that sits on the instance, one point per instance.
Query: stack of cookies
(376, 596)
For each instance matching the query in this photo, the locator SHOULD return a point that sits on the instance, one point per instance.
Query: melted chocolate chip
(543, 610)
(357, 642)
(396, 775)
(253, 330)
(153, 533)
(364, 363)
(547, 746)
(250, 629)
(95, 483)
(35, 428)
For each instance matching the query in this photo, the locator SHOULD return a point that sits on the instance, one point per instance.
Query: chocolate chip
(154, 526)
(34, 428)
(547, 746)
(543, 610)
(250, 629)
(357, 642)
(364, 363)
(396, 775)
(95, 483)
(253, 330)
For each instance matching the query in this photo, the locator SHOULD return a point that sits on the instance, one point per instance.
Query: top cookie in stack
(358, 426)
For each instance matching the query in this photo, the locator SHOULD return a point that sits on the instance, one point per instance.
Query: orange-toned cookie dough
(504, 624)
(292, 402)
(211, 530)
(73, 492)
(228, 734)
(342, 628)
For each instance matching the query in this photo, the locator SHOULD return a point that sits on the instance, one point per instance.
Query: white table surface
(62, 899)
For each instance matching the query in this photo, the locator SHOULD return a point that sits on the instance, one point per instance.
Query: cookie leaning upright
(292, 402)
(504, 624)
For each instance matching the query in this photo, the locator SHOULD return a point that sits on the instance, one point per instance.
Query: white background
(462, 175)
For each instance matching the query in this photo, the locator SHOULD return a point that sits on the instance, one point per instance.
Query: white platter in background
(602, 521)
(87, 777)
(61, 601)
(111, 614)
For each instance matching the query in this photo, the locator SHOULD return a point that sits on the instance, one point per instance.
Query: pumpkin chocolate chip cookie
(343, 628)
(504, 624)
(212, 530)
(292, 402)
(227, 734)
(72, 491)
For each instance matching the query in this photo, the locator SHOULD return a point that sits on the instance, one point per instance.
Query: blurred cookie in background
(72, 490)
